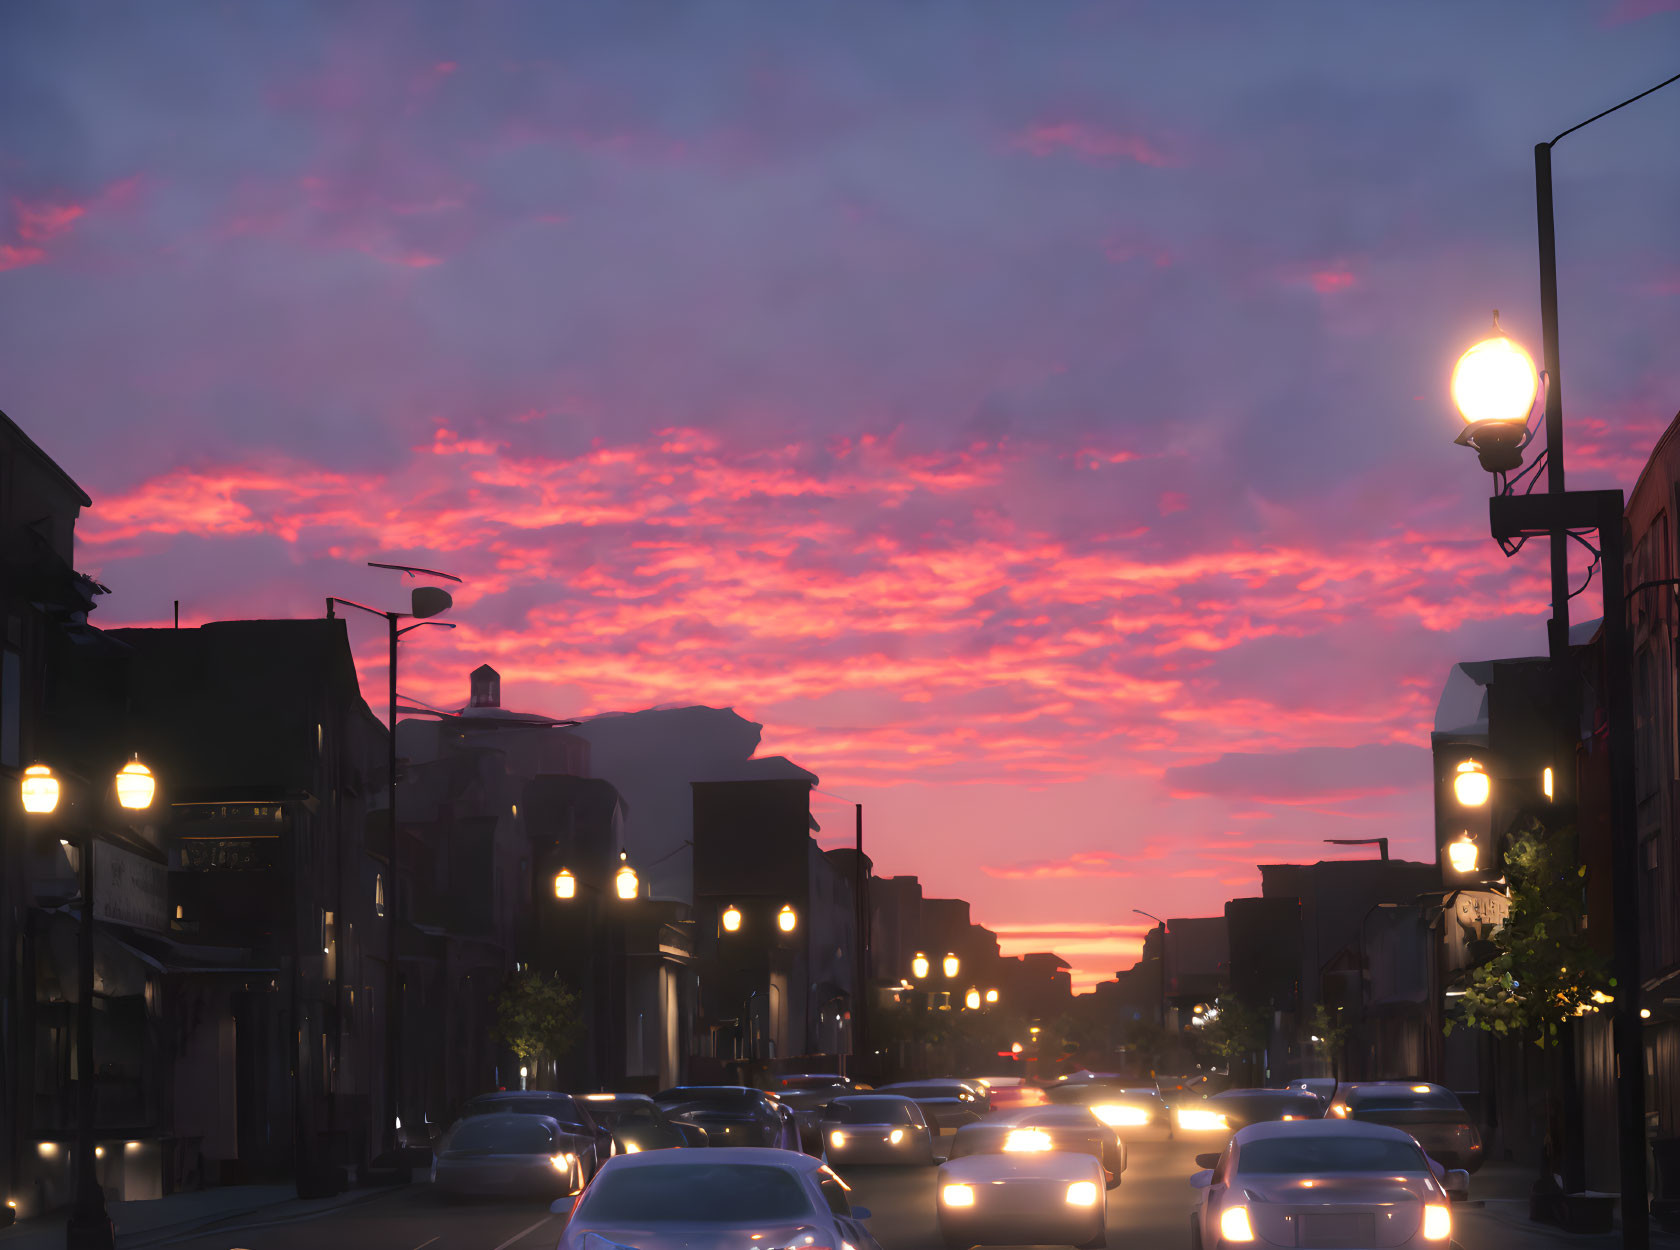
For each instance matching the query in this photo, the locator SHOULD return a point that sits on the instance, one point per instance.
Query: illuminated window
(379, 894)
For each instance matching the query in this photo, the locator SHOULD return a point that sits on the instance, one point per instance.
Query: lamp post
(43, 794)
(616, 890)
(1555, 514)
(426, 601)
(1161, 959)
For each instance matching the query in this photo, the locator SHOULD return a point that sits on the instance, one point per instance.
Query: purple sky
(1035, 415)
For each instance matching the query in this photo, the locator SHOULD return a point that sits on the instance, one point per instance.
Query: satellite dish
(430, 600)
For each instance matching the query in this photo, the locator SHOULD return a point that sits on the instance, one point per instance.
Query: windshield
(715, 1193)
(873, 1111)
(1404, 1100)
(558, 1107)
(932, 1091)
(626, 1113)
(714, 1100)
(1267, 1106)
(524, 1136)
(810, 1082)
(1270, 1156)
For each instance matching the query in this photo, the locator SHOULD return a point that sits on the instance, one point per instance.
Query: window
(833, 1192)
(379, 894)
(11, 694)
(753, 1193)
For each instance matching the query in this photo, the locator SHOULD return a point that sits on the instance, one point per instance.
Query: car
(638, 1123)
(1013, 1183)
(1236, 1108)
(1045, 1128)
(561, 1107)
(1429, 1112)
(1134, 1109)
(947, 1103)
(1323, 1183)
(509, 1155)
(732, 1115)
(875, 1128)
(806, 1094)
(1189, 1087)
(1323, 1086)
(693, 1199)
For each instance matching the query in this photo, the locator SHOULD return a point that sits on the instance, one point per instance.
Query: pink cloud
(1089, 141)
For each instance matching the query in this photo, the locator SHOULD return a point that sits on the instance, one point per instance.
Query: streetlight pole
(1161, 959)
(1555, 515)
(860, 1003)
(426, 601)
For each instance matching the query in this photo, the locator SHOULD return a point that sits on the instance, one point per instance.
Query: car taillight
(1234, 1225)
(1437, 1222)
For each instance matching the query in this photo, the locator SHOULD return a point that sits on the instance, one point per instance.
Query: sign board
(1472, 918)
(129, 889)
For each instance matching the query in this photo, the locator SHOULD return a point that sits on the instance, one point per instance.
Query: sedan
(947, 1104)
(638, 1123)
(805, 1095)
(1431, 1113)
(1042, 1130)
(508, 1156)
(593, 1143)
(1022, 1196)
(1323, 1183)
(732, 1115)
(1238, 1108)
(703, 1200)
(1132, 1109)
(875, 1128)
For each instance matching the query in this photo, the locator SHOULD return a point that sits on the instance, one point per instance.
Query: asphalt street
(1149, 1209)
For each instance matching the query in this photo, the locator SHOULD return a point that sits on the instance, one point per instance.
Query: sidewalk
(1497, 1216)
(150, 1223)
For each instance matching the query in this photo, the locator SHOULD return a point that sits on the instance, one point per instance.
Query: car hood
(689, 1236)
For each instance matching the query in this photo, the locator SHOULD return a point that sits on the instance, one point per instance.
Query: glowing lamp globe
(951, 965)
(786, 919)
(135, 786)
(565, 885)
(972, 1000)
(627, 883)
(1495, 381)
(732, 920)
(1462, 855)
(1471, 784)
(991, 996)
(40, 790)
(919, 966)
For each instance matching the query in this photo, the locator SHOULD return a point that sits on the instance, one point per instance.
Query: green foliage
(1330, 1032)
(1236, 1031)
(537, 1016)
(1545, 973)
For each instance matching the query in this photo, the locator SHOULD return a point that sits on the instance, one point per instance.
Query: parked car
(563, 1108)
(875, 1128)
(693, 1199)
(732, 1115)
(947, 1103)
(511, 1155)
(1429, 1112)
(638, 1123)
(1323, 1183)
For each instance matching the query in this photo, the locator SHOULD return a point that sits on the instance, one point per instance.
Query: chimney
(486, 687)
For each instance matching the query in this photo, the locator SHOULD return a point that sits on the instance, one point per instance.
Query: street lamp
(565, 884)
(1561, 514)
(952, 966)
(424, 602)
(991, 996)
(786, 919)
(919, 966)
(1471, 785)
(1462, 854)
(1495, 386)
(972, 1000)
(626, 882)
(731, 919)
(41, 790)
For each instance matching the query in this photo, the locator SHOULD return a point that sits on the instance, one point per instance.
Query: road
(1149, 1209)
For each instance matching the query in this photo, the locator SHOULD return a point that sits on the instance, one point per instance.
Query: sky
(1035, 416)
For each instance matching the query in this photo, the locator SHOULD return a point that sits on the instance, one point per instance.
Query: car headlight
(1234, 1225)
(836, 1138)
(1199, 1118)
(1027, 1140)
(1437, 1222)
(1082, 1194)
(561, 1162)
(631, 1148)
(1339, 1110)
(1112, 1114)
(957, 1195)
(896, 1136)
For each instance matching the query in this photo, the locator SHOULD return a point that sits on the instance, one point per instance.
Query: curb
(230, 1223)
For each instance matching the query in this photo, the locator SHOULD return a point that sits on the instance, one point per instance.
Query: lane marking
(427, 1242)
(522, 1233)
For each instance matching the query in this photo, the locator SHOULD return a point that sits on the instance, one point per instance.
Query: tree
(1328, 1034)
(536, 1016)
(1544, 973)
(1234, 1030)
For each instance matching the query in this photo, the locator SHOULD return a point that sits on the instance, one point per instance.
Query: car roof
(875, 1097)
(498, 1095)
(788, 1160)
(598, 1099)
(1318, 1128)
(512, 1117)
(712, 1089)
